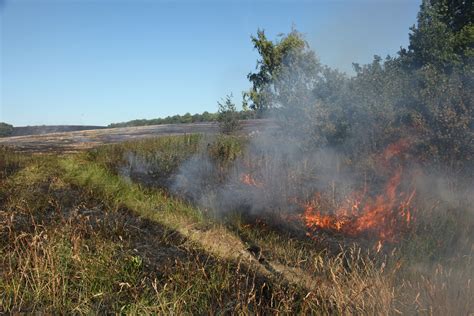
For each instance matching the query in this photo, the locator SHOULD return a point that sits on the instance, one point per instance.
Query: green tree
(228, 116)
(440, 65)
(283, 67)
(443, 36)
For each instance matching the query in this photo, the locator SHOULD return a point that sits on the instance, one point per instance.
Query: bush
(228, 116)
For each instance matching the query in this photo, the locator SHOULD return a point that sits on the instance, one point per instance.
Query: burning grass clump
(382, 200)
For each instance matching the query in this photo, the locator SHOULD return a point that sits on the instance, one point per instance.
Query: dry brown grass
(75, 237)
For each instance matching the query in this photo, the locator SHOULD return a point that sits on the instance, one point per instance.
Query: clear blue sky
(103, 61)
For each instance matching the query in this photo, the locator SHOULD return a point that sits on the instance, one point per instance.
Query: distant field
(84, 139)
(47, 129)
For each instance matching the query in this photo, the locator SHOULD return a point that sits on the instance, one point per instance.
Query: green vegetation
(425, 93)
(181, 119)
(160, 156)
(65, 250)
(5, 129)
(228, 116)
(76, 236)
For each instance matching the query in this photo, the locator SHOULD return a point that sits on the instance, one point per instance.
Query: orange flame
(395, 149)
(247, 179)
(383, 216)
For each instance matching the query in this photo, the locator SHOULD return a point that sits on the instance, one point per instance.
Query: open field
(104, 230)
(48, 129)
(79, 140)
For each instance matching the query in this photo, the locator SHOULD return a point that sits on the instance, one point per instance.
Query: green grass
(76, 236)
(117, 193)
(165, 152)
(73, 248)
(156, 160)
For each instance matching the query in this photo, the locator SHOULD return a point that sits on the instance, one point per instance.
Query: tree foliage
(228, 116)
(425, 93)
(283, 66)
(181, 119)
(443, 36)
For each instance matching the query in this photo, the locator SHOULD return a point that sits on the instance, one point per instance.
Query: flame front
(383, 216)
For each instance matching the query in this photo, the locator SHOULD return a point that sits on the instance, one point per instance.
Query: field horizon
(64, 141)
(312, 188)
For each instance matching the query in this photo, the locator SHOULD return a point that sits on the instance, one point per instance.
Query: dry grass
(76, 237)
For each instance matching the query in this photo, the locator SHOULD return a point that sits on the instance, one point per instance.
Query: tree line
(424, 92)
(181, 119)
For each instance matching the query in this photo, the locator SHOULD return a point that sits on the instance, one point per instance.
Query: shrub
(228, 116)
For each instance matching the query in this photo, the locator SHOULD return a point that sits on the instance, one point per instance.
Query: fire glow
(248, 179)
(383, 216)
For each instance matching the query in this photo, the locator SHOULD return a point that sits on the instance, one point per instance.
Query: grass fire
(324, 193)
(385, 216)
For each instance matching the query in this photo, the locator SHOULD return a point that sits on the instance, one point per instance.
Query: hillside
(82, 139)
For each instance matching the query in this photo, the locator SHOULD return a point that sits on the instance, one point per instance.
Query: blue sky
(103, 61)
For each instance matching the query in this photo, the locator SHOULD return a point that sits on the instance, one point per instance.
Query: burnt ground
(47, 129)
(80, 140)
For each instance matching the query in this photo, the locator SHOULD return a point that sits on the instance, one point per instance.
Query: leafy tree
(283, 67)
(186, 118)
(440, 65)
(441, 110)
(443, 36)
(456, 13)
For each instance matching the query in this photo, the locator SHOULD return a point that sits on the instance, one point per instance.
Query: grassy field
(101, 231)
(82, 137)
